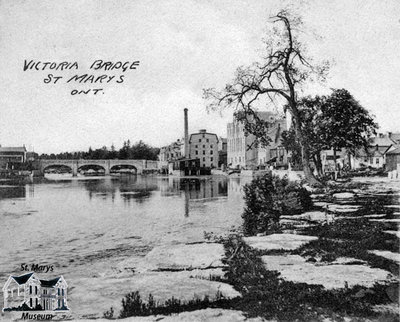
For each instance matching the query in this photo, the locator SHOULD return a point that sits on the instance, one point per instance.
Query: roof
(395, 137)
(49, 283)
(22, 279)
(372, 152)
(395, 151)
(13, 149)
(201, 133)
(381, 141)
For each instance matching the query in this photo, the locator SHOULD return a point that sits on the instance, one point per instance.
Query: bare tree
(275, 80)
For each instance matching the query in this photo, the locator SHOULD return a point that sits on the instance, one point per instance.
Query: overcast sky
(183, 47)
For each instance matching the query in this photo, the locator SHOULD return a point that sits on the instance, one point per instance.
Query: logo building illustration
(28, 292)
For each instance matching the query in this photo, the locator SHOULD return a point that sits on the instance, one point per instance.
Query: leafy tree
(336, 121)
(283, 70)
(345, 123)
(140, 150)
(310, 119)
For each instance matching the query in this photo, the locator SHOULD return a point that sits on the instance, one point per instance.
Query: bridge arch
(91, 166)
(117, 167)
(57, 166)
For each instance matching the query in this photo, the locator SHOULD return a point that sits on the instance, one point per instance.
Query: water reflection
(9, 191)
(204, 189)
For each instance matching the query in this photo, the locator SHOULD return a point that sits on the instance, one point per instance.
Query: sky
(182, 47)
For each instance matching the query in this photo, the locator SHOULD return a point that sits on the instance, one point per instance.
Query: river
(83, 227)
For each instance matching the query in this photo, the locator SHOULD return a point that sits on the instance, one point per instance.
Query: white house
(49, 295)
(375, 156)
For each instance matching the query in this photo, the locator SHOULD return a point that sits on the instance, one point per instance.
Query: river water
(84, 226)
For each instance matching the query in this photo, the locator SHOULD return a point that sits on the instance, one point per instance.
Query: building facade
(375, 155)
(10, 156)
(393, 160)
(171, 152)
(204, 146)
(241, 150)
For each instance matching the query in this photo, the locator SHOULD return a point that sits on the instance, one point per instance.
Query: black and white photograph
(200, 160)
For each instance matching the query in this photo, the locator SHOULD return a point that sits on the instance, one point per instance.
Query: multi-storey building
(12, 155)
(204, 146)
(242, 153)
(173, 151)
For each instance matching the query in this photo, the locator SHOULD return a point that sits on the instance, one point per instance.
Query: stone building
(204, 146)
(241, 150)
(171, 152)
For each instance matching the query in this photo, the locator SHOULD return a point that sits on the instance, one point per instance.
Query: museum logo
(29, 293)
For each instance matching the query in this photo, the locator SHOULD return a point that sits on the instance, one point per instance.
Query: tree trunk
(318, 163)
(305, 156)
(334, 158)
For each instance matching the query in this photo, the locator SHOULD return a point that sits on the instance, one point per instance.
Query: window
(35, 289)
(30, 290)
(204, 152)
(211, 152)
(207, 140)
(211, 159)
(211, 146)
(197, 152)
(199, 140)
(204, 159)
(377, 161)
(212, 166)
(195, 146)
(59, 291)
(31, 302)
(37, 301)
(63, 292)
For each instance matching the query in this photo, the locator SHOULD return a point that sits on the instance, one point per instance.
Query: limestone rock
(343, 195)
(102, 293)
(387, 254)
(295, 268)
(311, 216)
(278, 241)
(184, 256)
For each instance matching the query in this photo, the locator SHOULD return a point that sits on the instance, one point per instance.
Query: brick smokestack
(186, 134)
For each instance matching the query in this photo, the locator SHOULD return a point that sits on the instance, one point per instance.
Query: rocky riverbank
(196, 270)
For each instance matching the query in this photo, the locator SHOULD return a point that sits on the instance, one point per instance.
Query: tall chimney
(186, 134)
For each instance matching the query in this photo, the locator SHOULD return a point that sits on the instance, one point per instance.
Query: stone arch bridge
(107, 165)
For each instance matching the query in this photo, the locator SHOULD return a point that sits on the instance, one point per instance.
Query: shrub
(133, 305)
(269, 197)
